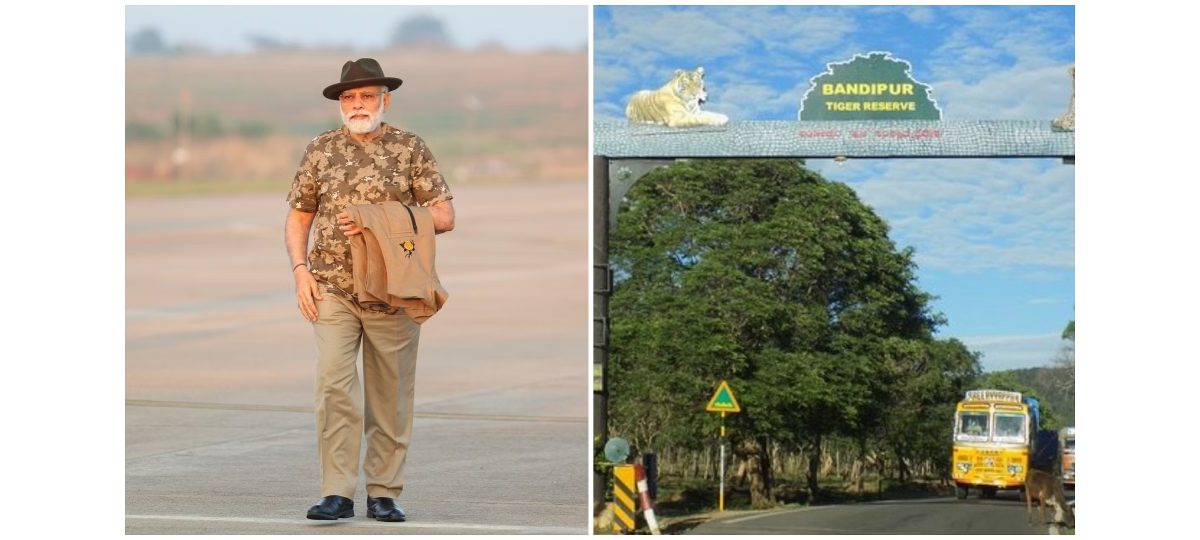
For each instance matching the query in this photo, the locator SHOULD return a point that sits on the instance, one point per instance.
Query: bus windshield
(973, 425)
(1010, 427)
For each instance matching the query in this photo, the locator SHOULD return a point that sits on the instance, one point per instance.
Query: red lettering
(817, 134)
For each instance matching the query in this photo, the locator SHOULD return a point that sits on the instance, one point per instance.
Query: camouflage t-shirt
(338, 171)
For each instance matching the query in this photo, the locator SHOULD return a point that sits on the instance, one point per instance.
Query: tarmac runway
(219, 432)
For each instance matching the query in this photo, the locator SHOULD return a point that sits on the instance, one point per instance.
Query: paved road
(219, 434)
(1003, 515)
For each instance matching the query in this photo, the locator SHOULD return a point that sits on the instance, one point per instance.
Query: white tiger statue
(1066, 122)
(676, 104)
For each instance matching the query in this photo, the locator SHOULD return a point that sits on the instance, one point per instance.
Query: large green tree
(1066, 365)
(923, 381)
(762, 273)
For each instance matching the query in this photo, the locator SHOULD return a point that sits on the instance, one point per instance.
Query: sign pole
(721, 499)
(722, 401)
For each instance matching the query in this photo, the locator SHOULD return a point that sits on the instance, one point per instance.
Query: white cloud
(747, 100)
(787, 30)
(1012, 94)
(1001, 352)
(663, 31)
(610, 75)
(813, 34)
(920, 14)
(607, 112)
(741, 100)
(990, 40)
(634, 65)
(1040, 275)
(971, 215)
(759, 67)
(923, 15)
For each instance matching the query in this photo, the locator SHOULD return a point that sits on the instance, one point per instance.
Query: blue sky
(995, 239)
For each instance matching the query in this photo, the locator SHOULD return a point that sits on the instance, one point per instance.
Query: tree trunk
(766, 468)
(757, 465)
(814, 465)
(853, 476)
(828, 464)
(740, 474)
(865, 456)
(858, 471)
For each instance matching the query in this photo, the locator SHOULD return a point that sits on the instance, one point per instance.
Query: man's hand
(443, 217)
(295, 235)
(307, 292)
(347, 226)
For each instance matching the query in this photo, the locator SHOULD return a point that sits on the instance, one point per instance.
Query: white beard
(362, 126)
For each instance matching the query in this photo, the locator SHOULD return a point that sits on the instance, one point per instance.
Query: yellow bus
(992, 434)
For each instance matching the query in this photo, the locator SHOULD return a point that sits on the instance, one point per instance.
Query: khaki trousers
(389, 350)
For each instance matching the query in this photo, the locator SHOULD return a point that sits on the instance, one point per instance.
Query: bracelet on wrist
(298, 266)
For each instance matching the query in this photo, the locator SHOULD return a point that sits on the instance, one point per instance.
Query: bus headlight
(1014, 469)
(964, 467)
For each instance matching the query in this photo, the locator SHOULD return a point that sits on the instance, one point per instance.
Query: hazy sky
(994, 239)
(226, 28)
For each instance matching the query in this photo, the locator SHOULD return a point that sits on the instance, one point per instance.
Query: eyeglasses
(368, 98)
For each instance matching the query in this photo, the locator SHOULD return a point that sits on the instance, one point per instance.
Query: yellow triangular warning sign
(723, 400)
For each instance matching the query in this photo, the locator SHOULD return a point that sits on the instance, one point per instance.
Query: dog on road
(1047, 489)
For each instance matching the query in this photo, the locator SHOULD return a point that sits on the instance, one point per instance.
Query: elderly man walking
(366, 161)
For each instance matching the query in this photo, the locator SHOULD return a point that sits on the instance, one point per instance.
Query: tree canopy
(421, 31)
(762, 273)
(146, 41)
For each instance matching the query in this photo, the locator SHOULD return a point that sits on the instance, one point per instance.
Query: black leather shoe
(332, 507)
(384, 509)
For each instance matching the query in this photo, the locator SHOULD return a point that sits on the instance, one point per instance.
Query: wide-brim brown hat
(361, 72)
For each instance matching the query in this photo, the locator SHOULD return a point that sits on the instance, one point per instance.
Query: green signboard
(722, 400)
(874, 86)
